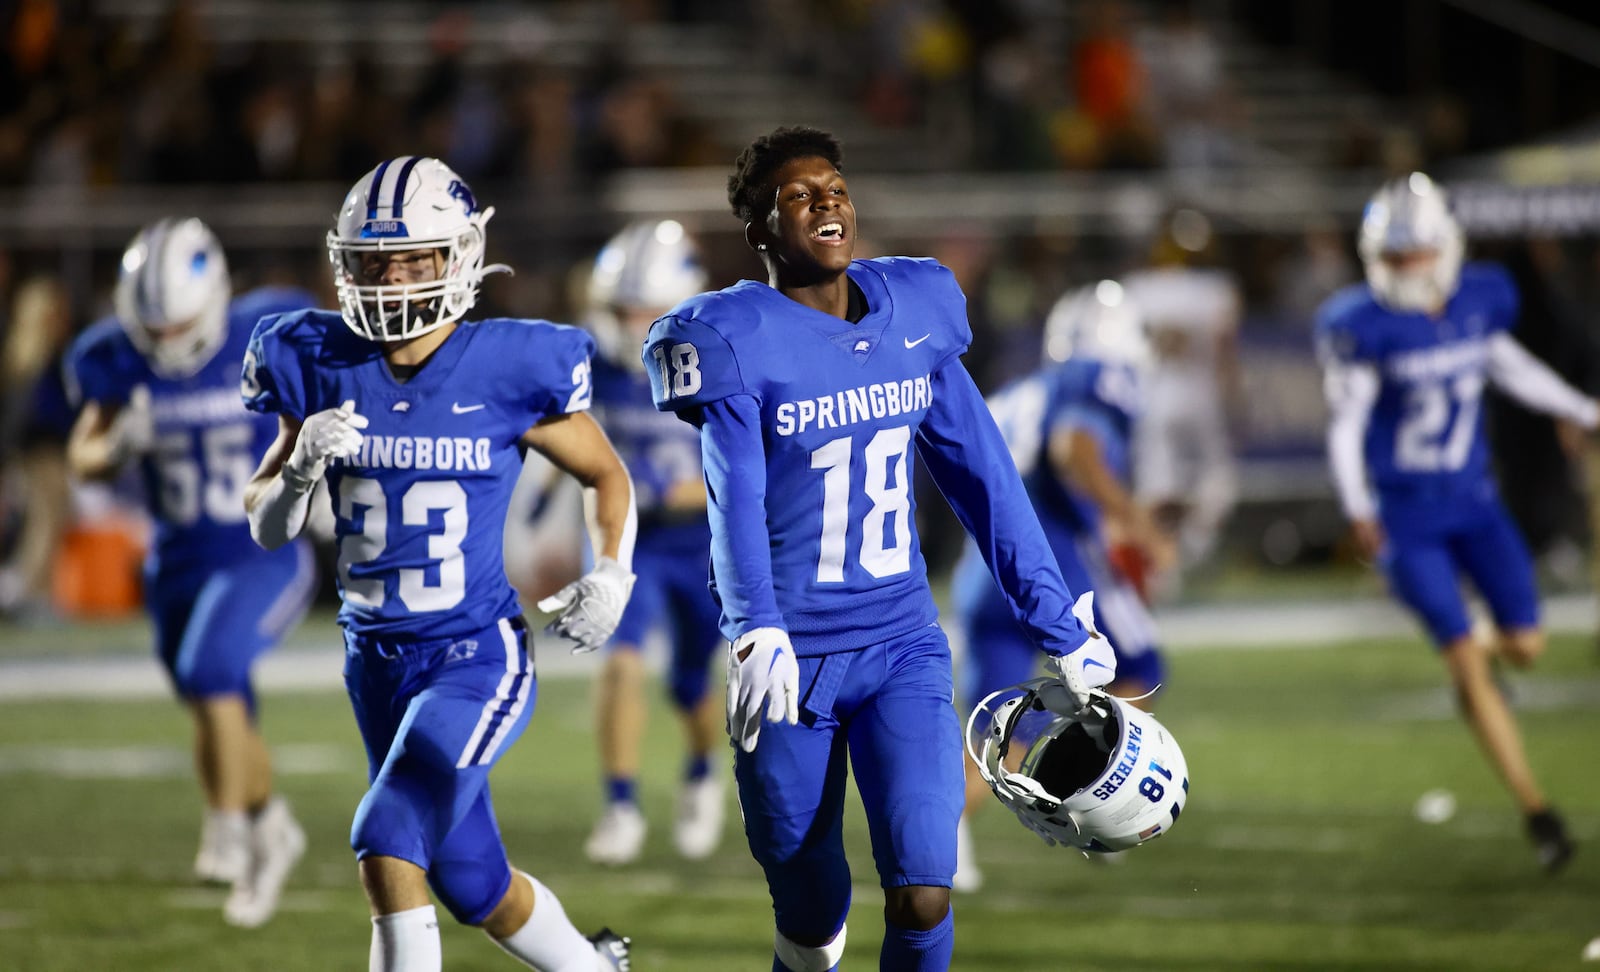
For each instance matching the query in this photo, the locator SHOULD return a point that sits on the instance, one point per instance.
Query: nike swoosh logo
(459, 409)
(911, 344)
(1090, 661)
(775, 656)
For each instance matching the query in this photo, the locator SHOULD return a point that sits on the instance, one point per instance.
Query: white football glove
(333, 433)
(765, 682)
(1089, 666)
(133, 431)
(590, 606)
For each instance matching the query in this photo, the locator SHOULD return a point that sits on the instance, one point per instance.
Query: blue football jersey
(420, 511)
(660, 451)
(207, 445)
(1425, 434)
(841, 406)
(1097, 397)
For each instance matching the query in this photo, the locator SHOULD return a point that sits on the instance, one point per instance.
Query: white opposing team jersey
(1188, 312)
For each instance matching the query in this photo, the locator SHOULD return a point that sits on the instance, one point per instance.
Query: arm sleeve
(968, 459)
(736, 489)
(1351, 388)
(1535, 385)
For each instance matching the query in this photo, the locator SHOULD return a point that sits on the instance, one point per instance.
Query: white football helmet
(645, 270)
(172, 295)
(409, 203)
(1097, 322)
(1409, 215)
(1104, 779)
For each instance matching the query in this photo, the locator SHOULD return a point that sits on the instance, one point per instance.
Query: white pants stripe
(509, 682)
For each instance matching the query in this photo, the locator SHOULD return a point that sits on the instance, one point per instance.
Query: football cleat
(224, 852)
(618, 835)
(698, 828)
(276, 844)
(613, 950)
(1549, 835)
(968, 877)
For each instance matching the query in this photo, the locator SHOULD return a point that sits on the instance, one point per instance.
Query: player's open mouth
(831, 234)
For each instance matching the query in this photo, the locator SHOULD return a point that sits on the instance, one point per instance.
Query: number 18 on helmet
(1101, 780)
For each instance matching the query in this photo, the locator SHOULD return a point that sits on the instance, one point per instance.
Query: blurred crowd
(556, 96)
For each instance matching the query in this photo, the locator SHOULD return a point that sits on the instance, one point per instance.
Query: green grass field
(1298, 849)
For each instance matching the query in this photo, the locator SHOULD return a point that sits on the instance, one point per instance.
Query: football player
(639, 275)
(1185, 465)
(810, 392)
(1407, 356)
(416, 419)
(1070, 428)
(157, 385)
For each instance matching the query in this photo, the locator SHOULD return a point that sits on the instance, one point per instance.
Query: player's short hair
(750, 189)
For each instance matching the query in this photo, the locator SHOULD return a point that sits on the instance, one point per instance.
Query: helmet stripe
(149, 289)
(400, 183)
(372, 190)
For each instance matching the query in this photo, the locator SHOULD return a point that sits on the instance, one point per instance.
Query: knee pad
(805, 958)
(469, 890)
(388, 824)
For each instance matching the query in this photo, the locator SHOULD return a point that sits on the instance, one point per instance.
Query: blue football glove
(1085, 668)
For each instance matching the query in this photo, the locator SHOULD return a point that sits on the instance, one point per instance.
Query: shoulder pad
(281, 360)
(547, 365)
(692, 362)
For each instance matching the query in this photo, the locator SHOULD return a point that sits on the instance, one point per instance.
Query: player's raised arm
(278, 498)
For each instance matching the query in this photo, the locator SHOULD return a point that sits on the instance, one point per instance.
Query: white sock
(548, 942)
(406, 941)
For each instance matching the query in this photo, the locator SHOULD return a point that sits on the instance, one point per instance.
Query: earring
(761, 246)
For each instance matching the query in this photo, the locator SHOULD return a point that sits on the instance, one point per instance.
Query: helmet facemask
(405, 205)
(1104, 779)
(400, 312)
